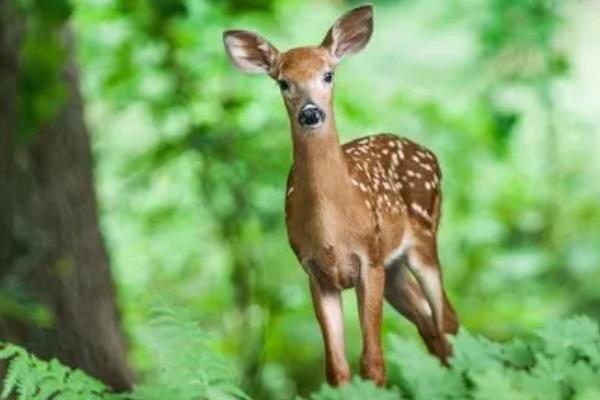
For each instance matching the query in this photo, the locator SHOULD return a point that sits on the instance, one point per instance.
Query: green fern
(189, 368)
(562, 362)
(29, 378)
(357, 390)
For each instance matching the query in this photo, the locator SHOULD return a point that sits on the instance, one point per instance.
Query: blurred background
(190, 159)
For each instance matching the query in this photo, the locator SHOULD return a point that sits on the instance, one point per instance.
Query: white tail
(361, 215)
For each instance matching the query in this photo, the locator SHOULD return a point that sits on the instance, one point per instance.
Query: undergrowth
(562, 362)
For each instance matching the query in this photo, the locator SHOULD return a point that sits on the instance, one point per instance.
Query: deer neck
(320, 170)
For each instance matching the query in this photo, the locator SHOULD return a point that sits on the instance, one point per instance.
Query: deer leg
(426, 269)
(404, 293)
(369, 292)
(328, 308)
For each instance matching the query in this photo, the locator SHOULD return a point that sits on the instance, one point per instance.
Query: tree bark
(9, 37)
(51, 250)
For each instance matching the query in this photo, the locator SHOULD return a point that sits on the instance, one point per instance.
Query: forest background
(139, 168)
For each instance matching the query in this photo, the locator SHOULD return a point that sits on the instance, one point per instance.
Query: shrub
(562, 361)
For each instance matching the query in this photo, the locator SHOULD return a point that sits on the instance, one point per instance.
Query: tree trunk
(51, 251)
(9, 37)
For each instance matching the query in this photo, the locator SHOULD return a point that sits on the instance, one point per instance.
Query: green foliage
(189, 369)
(357, 390)
(561, 362)
(42, 63)
(30, 378)
(515, 29)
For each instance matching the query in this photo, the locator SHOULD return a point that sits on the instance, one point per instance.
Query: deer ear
(250, 52)
(350, 33)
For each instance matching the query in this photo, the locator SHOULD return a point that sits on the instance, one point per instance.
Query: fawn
(364, 214)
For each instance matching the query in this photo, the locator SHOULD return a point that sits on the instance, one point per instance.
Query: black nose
(311, 115)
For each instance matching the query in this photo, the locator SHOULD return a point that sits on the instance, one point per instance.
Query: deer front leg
(328, 307)
(370, 293)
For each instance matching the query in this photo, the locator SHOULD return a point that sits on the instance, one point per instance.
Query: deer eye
(283, 84)
(328, 77)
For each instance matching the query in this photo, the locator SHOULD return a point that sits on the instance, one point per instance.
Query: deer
(360, 215)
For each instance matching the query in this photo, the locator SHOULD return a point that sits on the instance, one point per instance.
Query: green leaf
(357, 390)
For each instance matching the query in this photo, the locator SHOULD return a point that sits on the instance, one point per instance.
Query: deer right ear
(350, 33)
(250, 52)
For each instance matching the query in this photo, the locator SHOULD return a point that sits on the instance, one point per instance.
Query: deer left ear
(350, 33)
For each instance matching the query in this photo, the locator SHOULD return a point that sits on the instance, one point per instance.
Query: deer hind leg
(406, 294)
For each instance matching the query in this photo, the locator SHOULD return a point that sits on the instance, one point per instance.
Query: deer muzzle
(311, 115)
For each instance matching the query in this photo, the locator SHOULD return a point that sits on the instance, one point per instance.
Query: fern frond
(30, 378)
(562, 363)
(27, 385)
(188, 367)
(8, 350)
(17, 368)
(357, 390)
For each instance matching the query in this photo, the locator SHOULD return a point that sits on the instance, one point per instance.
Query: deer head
(304, 74)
